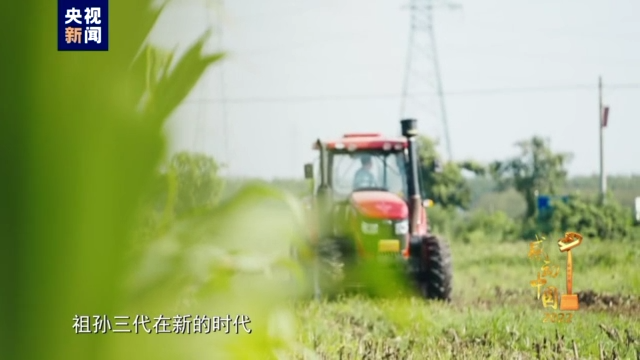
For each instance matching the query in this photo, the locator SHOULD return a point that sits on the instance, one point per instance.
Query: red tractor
(368, 209)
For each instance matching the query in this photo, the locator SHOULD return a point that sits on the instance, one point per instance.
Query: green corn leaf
(175, 86)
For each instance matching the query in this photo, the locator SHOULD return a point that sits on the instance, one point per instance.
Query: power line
(474, 92)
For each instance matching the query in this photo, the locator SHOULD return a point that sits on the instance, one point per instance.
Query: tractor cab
(363, 162)
(366, 162)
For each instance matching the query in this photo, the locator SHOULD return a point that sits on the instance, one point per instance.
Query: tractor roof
(365, 141)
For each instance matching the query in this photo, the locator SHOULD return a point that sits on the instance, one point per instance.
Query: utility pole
(601, 125)
(422, 69)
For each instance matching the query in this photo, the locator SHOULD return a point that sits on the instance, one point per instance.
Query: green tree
(445, 184)
(196, 180)
(537, 169)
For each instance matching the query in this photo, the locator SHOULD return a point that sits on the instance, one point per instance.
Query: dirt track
(590, 300)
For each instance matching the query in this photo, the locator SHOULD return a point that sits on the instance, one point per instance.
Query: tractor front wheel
(436, 272)
(329, 268)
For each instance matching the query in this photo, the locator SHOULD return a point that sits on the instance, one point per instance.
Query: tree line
(472, 200)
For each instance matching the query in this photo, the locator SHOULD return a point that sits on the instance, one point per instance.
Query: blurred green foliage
(82, 142)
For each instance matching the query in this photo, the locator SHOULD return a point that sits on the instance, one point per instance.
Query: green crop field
(494, 313)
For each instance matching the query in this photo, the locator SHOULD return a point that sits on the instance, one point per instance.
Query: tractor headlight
(369, 229)
(402, 227)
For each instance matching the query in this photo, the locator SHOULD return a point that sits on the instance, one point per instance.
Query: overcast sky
(301, 69)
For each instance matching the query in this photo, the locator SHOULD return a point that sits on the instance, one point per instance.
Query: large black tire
(436, 273)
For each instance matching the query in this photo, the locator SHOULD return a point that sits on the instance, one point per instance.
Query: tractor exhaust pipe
(410, 131)
(324, 192)
(323, 163)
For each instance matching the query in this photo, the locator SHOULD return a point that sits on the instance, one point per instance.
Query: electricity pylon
(422, 71)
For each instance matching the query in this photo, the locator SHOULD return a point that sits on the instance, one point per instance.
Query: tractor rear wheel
(436, 269)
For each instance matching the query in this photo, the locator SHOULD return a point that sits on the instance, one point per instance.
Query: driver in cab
(364, 177)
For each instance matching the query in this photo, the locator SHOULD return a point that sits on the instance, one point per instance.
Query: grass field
(494, 313)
